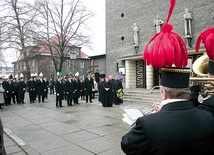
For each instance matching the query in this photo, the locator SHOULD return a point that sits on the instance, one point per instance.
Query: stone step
(140, 101)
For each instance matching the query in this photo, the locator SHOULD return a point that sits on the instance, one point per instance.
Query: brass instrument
(150, 111)
(200, 67)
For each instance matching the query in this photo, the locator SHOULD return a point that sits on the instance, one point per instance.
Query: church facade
(131, 24)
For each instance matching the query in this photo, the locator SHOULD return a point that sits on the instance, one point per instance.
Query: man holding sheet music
(178, 128)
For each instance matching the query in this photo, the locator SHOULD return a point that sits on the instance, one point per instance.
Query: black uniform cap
(175, 77)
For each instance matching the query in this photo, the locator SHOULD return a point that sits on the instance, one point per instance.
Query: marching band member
(59, 90)
(208, 100)
(178, 128)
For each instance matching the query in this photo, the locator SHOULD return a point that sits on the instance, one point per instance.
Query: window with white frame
(81, 64)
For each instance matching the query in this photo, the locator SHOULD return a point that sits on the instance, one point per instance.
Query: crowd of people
(70, 88)
(12, 90)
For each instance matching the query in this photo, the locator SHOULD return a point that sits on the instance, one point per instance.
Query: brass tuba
(200, 67)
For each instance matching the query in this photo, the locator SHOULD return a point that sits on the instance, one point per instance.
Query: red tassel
(207, 37)
(168, 48)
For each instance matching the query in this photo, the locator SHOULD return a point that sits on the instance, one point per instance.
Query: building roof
(97, 56)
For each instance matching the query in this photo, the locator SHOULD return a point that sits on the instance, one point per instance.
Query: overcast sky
(97, 25)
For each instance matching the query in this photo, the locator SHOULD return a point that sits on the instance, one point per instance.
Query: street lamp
(73, 56)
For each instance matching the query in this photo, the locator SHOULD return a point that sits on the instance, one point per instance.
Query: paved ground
(83, 129)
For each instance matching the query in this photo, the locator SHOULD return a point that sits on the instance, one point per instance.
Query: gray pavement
(83, 129)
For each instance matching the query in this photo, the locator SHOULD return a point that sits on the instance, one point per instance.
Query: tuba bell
(200, 65)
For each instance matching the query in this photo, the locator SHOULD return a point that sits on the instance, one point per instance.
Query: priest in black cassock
(107, 93)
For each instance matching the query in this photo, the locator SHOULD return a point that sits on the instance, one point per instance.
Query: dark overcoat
(22, 87)
(59, 87)
(40, 85)
(31, 84)
(77, 88)
(9, 88)
(117, 84)
(82, 88)
(89, 85)
(178, 129)
(46, 88)
(69, 89)
(100, 90)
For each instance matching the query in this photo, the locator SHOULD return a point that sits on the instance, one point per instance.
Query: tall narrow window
(81, 64)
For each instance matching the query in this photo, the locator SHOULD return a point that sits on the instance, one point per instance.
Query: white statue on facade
(187, 24)
(135, 30)
(158, 24)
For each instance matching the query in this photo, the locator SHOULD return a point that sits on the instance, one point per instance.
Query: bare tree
(17, 19)
(62, 27)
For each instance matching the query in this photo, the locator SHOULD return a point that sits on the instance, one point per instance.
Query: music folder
(131, 115)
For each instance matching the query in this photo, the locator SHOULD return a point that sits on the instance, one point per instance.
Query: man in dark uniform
(40, 85)
(97, 76)
(59, 91)
(82, 89)
(52, 83)
(46, 88)
(31, 84)
(89, 85)
(102, 75)
(69, 90)
(22, 90)
(178, 128)
(16, 89)
(76, 89)
(208, 99)
(9, 89)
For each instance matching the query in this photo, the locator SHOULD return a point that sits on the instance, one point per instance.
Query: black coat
(100, 90)
(31, 84)
(9, 88)
(69, 89)
(89, 85)
(117, 84)
(16, 87)
(46, 87)
(40, 85)
(59, 90)
(22, 87)
(97, 77)
(179, 128)
(77, 88)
